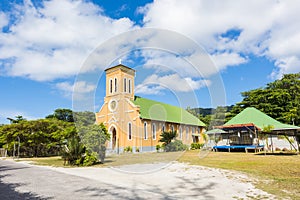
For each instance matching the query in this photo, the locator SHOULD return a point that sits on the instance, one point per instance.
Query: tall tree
(279, 99)
(41, 137)
(62, 114)
(17, 119)
(85, 118)
(94, 137)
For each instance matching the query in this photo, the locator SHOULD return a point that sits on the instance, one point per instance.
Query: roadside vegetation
(170, 143)
(81, 143)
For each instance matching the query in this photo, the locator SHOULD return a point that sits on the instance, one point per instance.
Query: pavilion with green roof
(243, 129)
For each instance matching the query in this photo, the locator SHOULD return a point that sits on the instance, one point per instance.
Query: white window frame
(153, 131)
(129, 85)
(187, 133)
(145, 131)
(129, 131)
(125, 86)
(111, 86)
(116, 85)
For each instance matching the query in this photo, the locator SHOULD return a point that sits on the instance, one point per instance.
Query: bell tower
(120, 82)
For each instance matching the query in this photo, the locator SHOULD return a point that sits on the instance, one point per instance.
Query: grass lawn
(113, 160)
(55, 161)
(127, 159)
(276, 174)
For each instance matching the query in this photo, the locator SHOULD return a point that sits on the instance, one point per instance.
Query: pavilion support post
(286, 137)
(272, 143)
(298, 141)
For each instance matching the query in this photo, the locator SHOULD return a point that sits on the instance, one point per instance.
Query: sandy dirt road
(174, 181)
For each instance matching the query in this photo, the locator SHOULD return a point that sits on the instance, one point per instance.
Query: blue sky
(45, 45)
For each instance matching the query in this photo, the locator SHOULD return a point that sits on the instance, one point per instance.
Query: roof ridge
(159, 102)
(169, 113)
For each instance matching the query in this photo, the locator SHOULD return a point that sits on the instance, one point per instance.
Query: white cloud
(223, 60)
(79, 89)
(263, 27)
(3, 20)
(154, 84)
(50, 42)
(148, 89)
(53, 41)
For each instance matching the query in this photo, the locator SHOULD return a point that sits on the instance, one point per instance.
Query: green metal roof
(158, 111)
(215, 131)
(259, 119)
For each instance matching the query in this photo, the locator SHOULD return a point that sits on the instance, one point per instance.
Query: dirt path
(176, 181)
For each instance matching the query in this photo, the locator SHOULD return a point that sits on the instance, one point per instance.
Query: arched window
(193, 130)
(163, 128)
(129, 85)
(110, 86)
(187, 133)
(172, 128)
(129, 131)
(125, 84)
(145, 131)
(153, 131)
(116, 84)
(180, 132)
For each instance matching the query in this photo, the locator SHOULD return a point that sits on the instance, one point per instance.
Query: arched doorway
(113, 139)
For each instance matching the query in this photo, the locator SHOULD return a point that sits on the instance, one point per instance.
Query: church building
(138, 122)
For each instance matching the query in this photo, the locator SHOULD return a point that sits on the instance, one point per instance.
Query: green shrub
(137, 149)
(167, 137)
(158, 147)
(90, 159)
(196, 146)
(176, 145)
(128, 149)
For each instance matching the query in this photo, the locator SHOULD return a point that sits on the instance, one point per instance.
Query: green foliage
(158, 147)
(279, 99)
(211, 116)
(128, 149)
(205, 137)
(196, 146)
(85, 118)
(74, 151)
(268, 129)
(175, 145)
(137, 149)
(90, 159)
(167, 137)
(18, 119)
(58, 135)
(62, 114)
(43, 137)
(94, 138)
